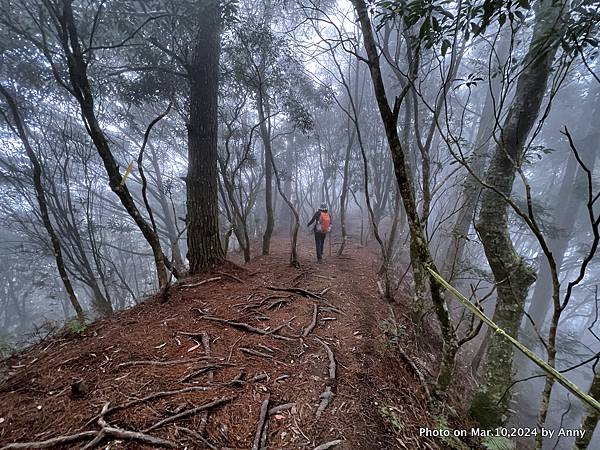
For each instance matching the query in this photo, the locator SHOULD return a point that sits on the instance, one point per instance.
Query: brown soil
(378, 403)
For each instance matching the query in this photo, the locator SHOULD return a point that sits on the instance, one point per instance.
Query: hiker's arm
(314, 218)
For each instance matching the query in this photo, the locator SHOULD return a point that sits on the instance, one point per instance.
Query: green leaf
(445, 46)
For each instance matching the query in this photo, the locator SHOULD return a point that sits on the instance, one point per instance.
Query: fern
(497, 443)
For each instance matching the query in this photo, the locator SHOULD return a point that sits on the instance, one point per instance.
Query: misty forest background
(142, 140)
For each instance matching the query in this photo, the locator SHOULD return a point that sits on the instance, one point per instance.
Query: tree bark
(204, 244)
(512, 274)
(471, 189)
(591, 420)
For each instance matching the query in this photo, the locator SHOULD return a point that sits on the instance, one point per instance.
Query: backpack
(324, 222)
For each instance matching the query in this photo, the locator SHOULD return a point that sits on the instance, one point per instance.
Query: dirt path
(184, 354)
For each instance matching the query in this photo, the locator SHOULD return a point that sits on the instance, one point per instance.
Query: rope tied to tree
(550, 371)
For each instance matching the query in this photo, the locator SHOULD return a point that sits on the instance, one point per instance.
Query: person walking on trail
(321, 227)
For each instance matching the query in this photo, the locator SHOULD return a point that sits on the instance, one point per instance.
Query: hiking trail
(264, 356)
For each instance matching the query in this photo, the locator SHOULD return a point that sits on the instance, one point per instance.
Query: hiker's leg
(322, 243)
(317, 246)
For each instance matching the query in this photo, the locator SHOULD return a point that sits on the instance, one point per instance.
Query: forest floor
(197, 370)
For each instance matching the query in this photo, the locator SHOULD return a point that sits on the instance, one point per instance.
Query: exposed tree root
(324, 400)
(161, 363)
(261, 422)
(246, 327)
(207, 369)
(60, 440)
(332, 365)
(327, 445)
(233, 277)
(281, 408)
(198, 436)
(311, 326)
(249, 351)
(296, 290)
(208, 280)
(190, 412)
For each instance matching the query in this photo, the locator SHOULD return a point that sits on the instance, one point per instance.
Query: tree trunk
(81, 90)
(420, 254)
(471, 189)
(512, 274)
(265, 134)
(41, 199)
(591, 420)
(204, 244)
(345, 184)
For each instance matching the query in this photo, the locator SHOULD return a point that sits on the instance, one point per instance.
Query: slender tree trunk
(345, 183)
(512, 274)
(420, 254)
(41, 199)
(204, 244)
(81, 90)
(265, 135)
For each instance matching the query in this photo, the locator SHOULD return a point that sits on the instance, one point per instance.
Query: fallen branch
(246, 327)
(261, 422)
(328, 445)
(311, 326)
(190, 412)
(208, 280)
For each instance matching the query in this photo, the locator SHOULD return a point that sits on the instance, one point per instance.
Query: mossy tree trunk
(512, 274)
(419, 248)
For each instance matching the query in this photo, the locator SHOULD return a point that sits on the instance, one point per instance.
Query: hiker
(322, 226)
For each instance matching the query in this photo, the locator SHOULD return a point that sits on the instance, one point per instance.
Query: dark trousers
(319, 242)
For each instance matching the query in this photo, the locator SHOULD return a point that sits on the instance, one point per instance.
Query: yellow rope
(551, 371)
(126, 174)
